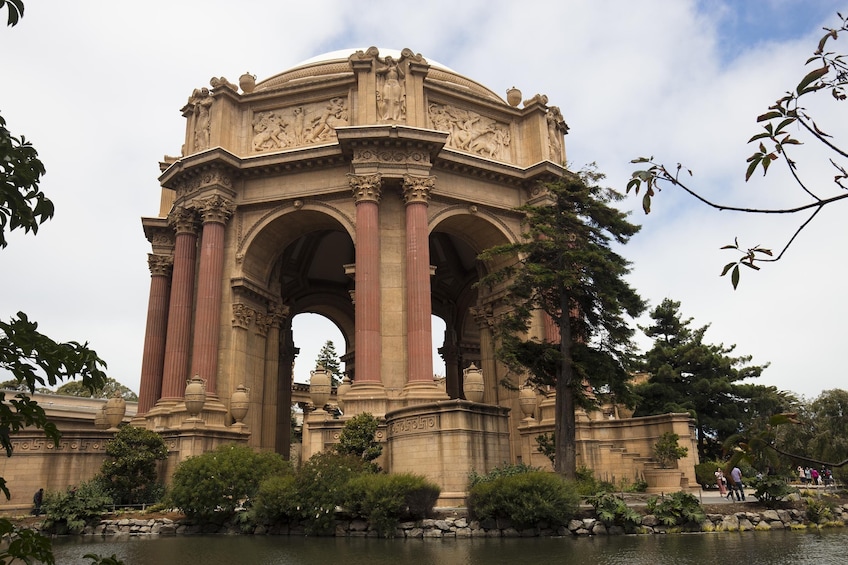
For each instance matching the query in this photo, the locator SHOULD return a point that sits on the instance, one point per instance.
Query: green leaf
(646, 203)
(755, 160)
(768, 116)
(729, 265)
(734, 277)
(810, 78)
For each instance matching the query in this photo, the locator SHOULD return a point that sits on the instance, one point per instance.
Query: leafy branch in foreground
(774, 142)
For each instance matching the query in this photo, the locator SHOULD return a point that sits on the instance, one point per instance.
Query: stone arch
(457, 236)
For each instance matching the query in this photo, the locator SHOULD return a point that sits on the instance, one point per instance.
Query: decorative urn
(472, 383)
(320, 385)
(239, 402)
(116, 407)
(195, 396)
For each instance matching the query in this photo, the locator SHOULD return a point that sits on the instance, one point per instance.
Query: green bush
(771, 489)
(587, 484)
(505, 470)
(705, 473)
(613, 511)
(385, 499)
(320, 486)
(676, 509)
(276, 500)
(818, 511)
(216, 483)
(667, 450)
(129, 475)
(75, 507)
(357, 438)
(526, 499)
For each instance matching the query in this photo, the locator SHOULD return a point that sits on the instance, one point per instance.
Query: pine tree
(565, 267)
(328, 359)
(690, 375)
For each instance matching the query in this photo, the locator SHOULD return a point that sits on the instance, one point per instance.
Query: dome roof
(337, 63)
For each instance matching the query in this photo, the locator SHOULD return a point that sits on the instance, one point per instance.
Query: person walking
(736, 478)
(721, 482)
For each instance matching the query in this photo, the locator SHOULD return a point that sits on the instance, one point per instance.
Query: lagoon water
(747, 548)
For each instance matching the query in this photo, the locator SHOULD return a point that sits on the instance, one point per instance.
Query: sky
(97, 86)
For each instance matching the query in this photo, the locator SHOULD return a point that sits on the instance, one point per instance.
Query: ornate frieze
(366, 188)
(82, 445)
(214, 177)
(414, 424)
(471, 132)
(299, 125)
(417, 189)
(160, 265)
(390, 155)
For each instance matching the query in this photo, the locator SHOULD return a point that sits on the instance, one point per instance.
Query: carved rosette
(183, 220)
(417, 189)
(160, 265)
(216, 209)
(242, 316)
(366, 188)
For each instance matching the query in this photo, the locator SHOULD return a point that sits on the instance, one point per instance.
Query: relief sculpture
(201, 100)
(471, 132)
(301, 125)
(391, 95)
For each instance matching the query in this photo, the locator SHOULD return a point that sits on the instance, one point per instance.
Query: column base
(366, 397)
(421, 392)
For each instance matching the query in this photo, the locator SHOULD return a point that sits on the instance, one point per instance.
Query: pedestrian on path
(736, 478)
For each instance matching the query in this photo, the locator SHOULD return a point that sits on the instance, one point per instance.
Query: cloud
(682, 81)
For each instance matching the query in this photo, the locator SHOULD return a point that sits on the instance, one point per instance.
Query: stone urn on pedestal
(100, 421)
(472, 383)
(527, 402)
(320, 386)
(341, 391)
(195, 398)
(239, 403)
(116, 408)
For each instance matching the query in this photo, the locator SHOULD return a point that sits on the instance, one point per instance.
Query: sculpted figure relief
(471, 132)
(391, 94)
(300, 125)
(556, 129)
(202, 100)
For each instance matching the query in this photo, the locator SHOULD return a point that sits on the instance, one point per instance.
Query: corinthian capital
(183, 220)
(417, 189)
(160, 265)
(216, 209)
(366, 188)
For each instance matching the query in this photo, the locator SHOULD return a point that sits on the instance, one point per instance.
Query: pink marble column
(179, 310)
(153, 356)
(416, 194)
(367, 190)
(215, 212)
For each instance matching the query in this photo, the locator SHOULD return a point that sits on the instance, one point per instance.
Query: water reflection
(749, 548)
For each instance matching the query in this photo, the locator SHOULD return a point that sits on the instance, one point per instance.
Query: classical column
(416, 195)
(215, 211)
(367, 190)
(153, 356)
(419, 334)
(180, 306)
(483, 317)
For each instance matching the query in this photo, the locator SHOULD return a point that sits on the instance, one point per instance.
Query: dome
(336, 62)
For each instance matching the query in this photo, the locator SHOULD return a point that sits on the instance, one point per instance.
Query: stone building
(361, 186)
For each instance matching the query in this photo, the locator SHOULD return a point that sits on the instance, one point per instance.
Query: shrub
(613, 511)
(129, 476)
(385, 499)
(676, 509)
(587, 484)
(320, 486)
(276, 500)
(74, 508)
(526, 499)
(505, 470)
(705, 473)
(818, 511)
(667, 450)
(357, 438)
(217, 482)
(771, 489)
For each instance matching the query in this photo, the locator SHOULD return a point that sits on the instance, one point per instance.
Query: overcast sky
(97, 87)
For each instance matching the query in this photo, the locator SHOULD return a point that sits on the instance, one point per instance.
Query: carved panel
(471, 132)
(415, 424)
(299, 125)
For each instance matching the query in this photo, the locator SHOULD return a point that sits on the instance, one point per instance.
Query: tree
(775, 142)
(129, 474)
(32, 358)
(689, 375)
(564, 266)
(357, 438)
(108, 390)
(328, 359)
